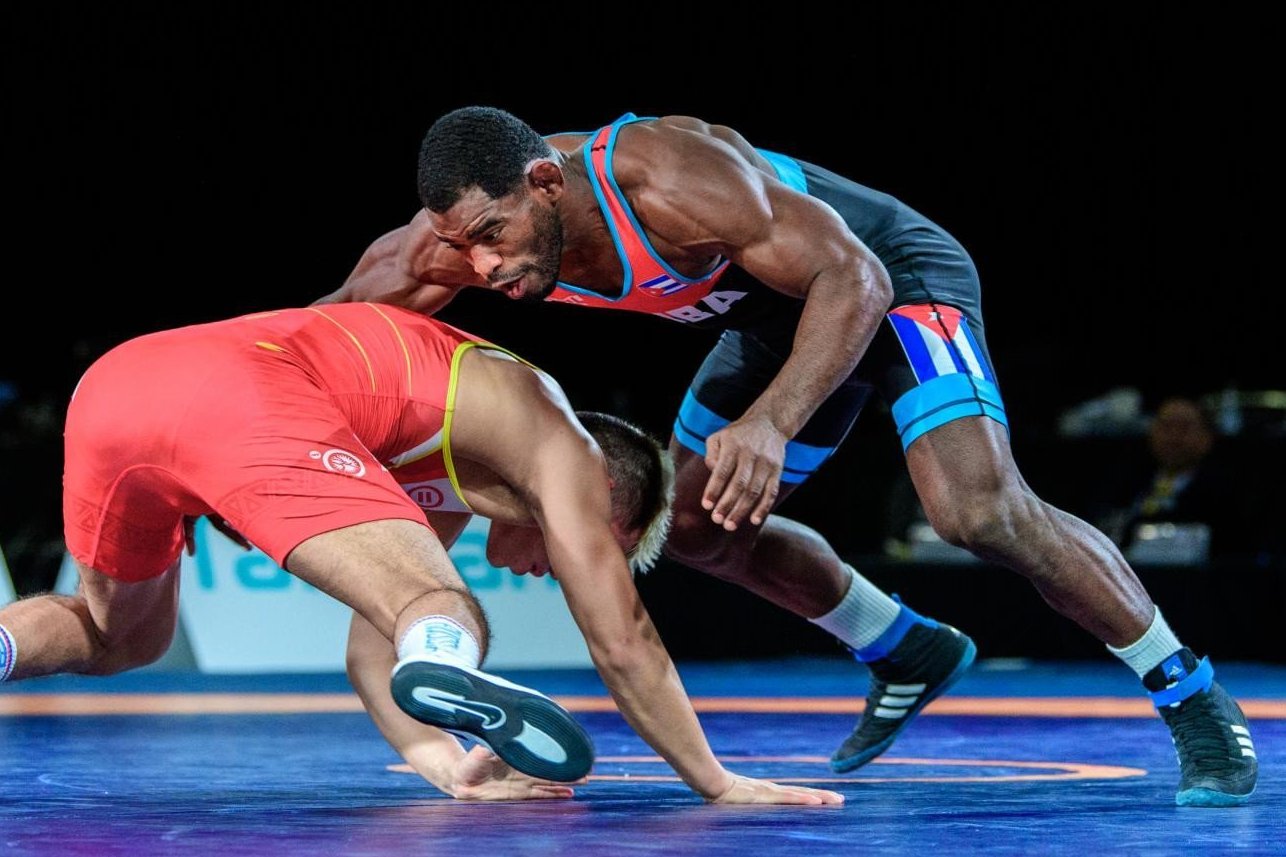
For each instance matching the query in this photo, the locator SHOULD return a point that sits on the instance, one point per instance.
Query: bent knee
(985, 523)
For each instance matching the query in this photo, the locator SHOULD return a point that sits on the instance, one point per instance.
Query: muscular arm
(407, 267)
(622, 641)
(845, 298)
(521, 428)
(735, 206)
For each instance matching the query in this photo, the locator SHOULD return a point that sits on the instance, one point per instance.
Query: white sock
(1156, 644)
(862, 615)
(441, 639)
(8, 653)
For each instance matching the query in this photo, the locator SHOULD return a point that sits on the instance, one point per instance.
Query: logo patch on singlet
(425, 494)
(342, 461)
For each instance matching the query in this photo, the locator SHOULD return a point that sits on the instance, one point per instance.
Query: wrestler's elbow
(876, 287)
(623, 656)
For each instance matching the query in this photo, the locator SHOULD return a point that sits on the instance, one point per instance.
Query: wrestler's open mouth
(512, 288)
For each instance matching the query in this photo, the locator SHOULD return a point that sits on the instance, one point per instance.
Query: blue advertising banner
(243, 613)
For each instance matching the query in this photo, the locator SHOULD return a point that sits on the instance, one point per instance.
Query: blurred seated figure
(1188, 503)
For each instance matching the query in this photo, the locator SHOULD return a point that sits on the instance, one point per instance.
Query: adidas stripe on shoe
(1217, 762)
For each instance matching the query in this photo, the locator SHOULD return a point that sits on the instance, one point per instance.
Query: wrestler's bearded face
(536, 271)
(514, 242)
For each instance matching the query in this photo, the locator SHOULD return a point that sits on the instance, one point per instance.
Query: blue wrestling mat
(1017, 759)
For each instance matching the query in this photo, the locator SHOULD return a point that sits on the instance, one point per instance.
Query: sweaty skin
(701, 191)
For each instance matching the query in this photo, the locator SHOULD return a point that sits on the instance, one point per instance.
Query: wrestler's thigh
(963, 463)
(376, 567)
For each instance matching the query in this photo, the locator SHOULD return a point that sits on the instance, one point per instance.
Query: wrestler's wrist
(787, 425)
(716, 786)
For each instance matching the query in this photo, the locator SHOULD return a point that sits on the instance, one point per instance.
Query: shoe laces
(1199, 732)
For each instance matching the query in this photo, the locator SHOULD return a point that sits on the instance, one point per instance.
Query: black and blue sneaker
(926, 658)
(528, 730)
(1217, 762)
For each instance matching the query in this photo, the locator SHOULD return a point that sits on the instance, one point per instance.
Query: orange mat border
(65, 704)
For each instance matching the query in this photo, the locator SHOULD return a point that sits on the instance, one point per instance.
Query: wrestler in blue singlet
(940, 372)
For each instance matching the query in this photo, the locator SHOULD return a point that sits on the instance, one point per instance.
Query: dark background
(1112, 174)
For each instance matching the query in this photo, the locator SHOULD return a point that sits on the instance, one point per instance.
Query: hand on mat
(480, 775)
(747, 790)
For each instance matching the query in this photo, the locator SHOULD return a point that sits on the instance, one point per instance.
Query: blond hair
(642, 475)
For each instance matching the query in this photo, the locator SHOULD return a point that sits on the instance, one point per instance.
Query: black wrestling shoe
(928, 661)
(1217, 762)
(528, 730)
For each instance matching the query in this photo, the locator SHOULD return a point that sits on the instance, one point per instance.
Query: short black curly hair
(483, 147)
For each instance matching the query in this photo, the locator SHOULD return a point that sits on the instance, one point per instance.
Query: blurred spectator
(1185, 492)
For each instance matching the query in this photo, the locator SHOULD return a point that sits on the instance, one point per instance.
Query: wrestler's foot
(528, 730)
(929, 659)
(1217, 762)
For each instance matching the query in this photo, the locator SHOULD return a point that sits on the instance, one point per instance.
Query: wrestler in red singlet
(283, 423)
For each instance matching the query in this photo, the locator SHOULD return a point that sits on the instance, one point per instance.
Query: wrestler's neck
(589, 254)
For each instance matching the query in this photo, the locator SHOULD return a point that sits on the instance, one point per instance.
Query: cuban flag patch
(937, 342)
(662, 286)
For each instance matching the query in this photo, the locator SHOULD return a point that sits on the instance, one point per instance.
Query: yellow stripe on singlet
(449, 417)
(370, 370)
(406, 352)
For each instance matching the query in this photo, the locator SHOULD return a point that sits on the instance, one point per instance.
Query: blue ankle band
(888, 641)
(1198, 680)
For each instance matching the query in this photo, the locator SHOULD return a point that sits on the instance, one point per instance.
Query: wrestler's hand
(745, 459)
(189, 532)
(480, 775)
(748, 790)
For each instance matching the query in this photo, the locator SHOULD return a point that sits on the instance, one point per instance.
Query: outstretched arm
(530, 437)
(406, 267)
(623, 642)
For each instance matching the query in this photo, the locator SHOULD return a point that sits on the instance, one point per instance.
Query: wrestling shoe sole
(528, 730)
(1209, 797)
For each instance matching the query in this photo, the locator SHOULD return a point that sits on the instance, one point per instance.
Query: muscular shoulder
(692, 180)
(501, 401)
(672, 149)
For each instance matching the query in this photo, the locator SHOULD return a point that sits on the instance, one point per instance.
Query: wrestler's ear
(545, 176)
